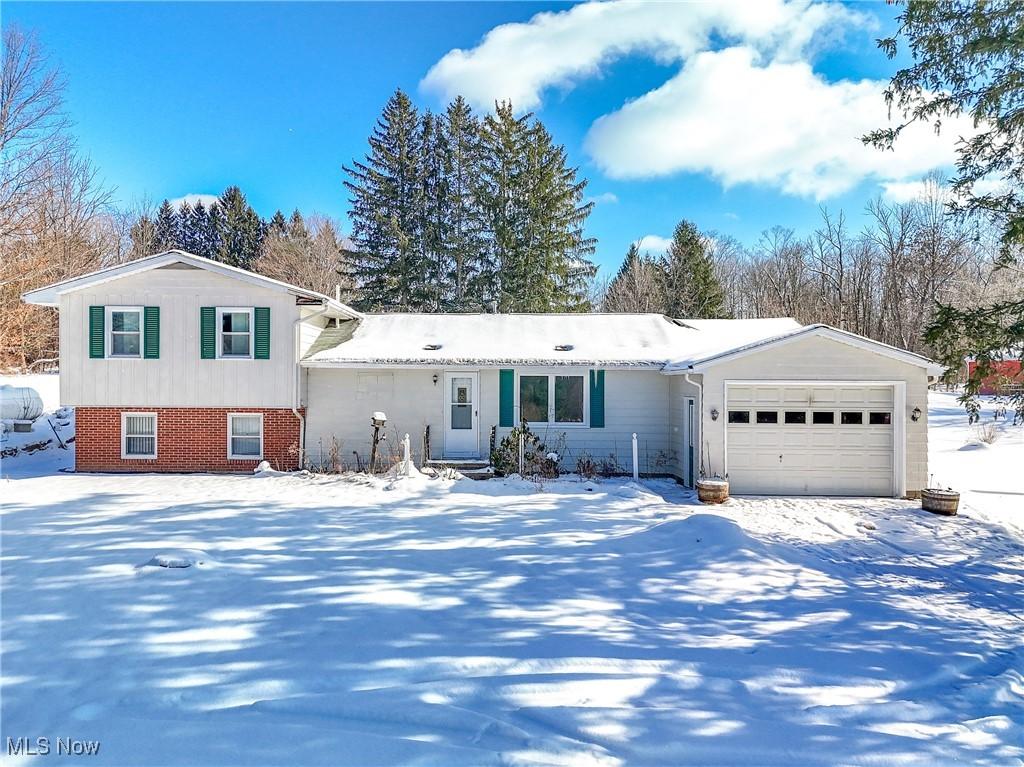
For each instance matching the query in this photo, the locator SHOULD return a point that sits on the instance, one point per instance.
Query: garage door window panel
(823, 418)
(767, 416)
(880, 419)
(851, 418)
(796, 417)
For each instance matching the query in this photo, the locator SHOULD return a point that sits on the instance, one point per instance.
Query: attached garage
(812, 411)
(813, 438)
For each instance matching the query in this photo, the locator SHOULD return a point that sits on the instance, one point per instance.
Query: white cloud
(192, 199)
(779, 124)
(519, 61)
(745, 106)
(908, 191)
(605, 198)
(653, 243)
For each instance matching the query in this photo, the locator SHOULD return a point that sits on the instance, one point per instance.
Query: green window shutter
(261, 340)
(596, 399)
(151, 332)
(208, 332)
(506, 400)
(97, 342)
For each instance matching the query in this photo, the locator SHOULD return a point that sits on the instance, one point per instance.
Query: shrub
(610, 467)
(586, 466)
(536, 458)
(986, 433)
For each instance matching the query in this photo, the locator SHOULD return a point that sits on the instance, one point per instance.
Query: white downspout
(700, 419)
(298, 378)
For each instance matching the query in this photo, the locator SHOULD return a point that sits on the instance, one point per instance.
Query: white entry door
(461, 415)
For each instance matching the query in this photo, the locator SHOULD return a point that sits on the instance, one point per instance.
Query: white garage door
(810, 440)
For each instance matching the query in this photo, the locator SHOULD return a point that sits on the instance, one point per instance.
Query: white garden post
(522, 453)
(636, 461)
(407, 466)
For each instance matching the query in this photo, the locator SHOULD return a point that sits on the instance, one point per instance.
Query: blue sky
(735, 119)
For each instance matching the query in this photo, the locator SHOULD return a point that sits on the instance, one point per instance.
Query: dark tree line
(229, 230)
(453, 212)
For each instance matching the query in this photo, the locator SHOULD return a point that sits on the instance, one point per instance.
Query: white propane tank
(20, 403)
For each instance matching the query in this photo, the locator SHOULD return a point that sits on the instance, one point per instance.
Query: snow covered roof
(50, 294)
(627, 340)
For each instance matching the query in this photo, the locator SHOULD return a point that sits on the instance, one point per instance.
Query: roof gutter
(700, 420)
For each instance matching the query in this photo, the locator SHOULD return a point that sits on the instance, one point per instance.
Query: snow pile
(178, 559)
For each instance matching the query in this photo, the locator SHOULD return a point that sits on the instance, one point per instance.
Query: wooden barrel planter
(713, 490)
(940, 501)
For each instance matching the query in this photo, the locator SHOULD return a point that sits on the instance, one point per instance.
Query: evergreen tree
(241, 230)
(462, 228)
(278, 224)
(387, 201)
(183, 221)
(166, 229)
(690, 288)
(296, 228)
(197, 230)
(501, 191)
(559, 268)
(212, 234)
(435, 204)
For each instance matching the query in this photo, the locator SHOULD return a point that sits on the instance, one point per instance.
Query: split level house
(178, 363)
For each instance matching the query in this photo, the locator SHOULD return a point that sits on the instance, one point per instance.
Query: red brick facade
(188, 439)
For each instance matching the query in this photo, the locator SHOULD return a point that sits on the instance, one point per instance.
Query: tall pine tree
(462, 226)
(501, 191)
(387, 201)
(690, 288)
(165, 228)
(241, 230)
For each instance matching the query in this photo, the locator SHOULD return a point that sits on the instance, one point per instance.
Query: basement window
(138, 435)
(245, 436)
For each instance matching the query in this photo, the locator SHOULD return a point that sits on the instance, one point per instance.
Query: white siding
(679, 391)
(179, 378)
(811, 359)
(340, 403)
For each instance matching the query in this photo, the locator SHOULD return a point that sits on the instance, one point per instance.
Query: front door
(460, 415)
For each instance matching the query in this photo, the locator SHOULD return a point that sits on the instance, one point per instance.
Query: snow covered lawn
(289, 621)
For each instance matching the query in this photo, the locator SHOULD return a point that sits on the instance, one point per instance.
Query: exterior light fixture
(916, 414)
(434, 379)
(714, 414)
